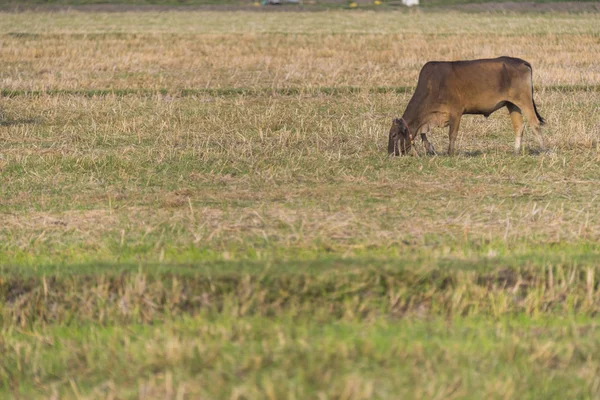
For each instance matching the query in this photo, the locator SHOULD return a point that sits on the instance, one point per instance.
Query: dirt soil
(571, 7)
(568, 6)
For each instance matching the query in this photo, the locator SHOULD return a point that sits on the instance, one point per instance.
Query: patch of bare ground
(78, 220)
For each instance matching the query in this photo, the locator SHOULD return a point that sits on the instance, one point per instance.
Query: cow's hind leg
(534, 123)
(453, 132)
(517, 122)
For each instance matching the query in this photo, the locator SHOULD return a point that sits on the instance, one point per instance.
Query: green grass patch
(258, 357)
(254, 92)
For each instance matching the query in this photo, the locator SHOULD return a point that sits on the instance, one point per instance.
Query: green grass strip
(228, 92)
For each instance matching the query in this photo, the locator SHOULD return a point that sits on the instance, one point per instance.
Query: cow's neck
(412, 121)
(412, 114)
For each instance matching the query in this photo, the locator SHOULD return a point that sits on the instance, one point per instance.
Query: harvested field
(200, 205)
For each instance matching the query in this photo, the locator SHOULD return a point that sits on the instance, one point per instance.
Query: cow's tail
(537, 114)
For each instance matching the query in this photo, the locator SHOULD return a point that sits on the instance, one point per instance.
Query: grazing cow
(448, 90)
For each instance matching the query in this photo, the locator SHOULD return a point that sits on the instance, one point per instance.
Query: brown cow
(448, 90)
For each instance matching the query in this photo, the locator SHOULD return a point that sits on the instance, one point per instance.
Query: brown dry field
(200, 205)
(103, 152)
(176, 50)
(324, 5)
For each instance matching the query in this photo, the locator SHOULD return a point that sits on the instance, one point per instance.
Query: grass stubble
(201, 205)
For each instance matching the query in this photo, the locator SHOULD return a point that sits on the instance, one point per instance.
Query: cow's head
(399, 141)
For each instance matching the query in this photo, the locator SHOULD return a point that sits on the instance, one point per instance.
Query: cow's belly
(484, 108)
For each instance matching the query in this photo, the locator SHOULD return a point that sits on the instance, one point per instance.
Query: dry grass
(197, 50)
(158, 239)
(220, 171)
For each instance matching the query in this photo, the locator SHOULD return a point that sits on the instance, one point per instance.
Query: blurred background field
(308, 5)
(199, 204)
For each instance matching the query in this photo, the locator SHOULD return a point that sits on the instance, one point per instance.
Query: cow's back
(487, 76)
(472, 87)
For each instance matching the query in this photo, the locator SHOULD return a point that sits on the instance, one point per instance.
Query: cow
(447, 90)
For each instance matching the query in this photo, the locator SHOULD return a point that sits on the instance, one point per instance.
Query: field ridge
(256, 92)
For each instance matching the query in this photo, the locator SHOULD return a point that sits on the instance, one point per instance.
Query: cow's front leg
(453, 132)
(428, 146)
